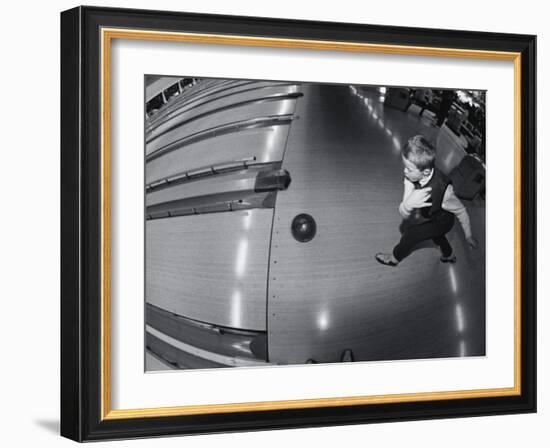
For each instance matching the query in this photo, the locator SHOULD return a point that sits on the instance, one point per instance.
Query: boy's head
(418, 158)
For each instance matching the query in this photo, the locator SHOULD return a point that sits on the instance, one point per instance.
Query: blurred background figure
(447, 98)
(424, 98)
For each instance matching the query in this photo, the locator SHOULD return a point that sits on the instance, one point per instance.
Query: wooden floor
(330, 294)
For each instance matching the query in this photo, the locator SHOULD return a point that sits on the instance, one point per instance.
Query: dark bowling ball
(303, 228)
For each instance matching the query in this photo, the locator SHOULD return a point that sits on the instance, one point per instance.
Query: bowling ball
(303, 228)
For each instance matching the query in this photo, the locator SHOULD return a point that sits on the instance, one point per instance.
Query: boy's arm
(452, 204)
(408, 188)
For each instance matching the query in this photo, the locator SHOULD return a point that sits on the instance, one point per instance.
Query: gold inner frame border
(107, 35)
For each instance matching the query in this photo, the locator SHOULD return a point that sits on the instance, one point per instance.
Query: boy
(429, 205)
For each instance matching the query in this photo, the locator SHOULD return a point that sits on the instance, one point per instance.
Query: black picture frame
(82, 397)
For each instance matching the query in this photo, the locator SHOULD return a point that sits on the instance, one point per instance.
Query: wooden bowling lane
(155, 363)
(217, 119)
(329, 294)
(401, 125)
(205, 91)
(228, 98)
(255, 145)
(205, 87)
(233, 182)
(211, 268)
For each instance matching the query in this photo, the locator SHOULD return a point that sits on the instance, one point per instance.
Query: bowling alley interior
(280, 227)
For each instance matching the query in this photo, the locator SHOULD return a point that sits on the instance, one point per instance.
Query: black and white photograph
(289, 222)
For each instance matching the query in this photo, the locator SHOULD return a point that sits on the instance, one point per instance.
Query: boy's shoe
(386, 259)
(451, 259)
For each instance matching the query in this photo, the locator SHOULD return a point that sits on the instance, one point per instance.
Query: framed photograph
(276, 224)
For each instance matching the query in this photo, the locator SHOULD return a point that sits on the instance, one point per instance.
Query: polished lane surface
(329, 294)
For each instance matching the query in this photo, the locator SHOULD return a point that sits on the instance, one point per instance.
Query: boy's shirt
(450, 203)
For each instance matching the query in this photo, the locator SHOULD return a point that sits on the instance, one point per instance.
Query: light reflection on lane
(323, 320)
(396, 143)
(242, 346)
(458, 311)
(242, 254)
(459, 318)
(247, 220)
(270, 143)
(452, 276)
(367, 101)
(236, 309)
(241, 259)
(462, 348)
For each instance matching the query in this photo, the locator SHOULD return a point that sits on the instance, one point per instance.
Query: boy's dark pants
(433, 229)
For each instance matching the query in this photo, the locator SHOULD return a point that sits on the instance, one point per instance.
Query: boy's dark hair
(419, 151)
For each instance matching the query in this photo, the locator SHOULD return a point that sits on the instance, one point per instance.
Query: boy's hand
(418, 198)
(472, 242)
